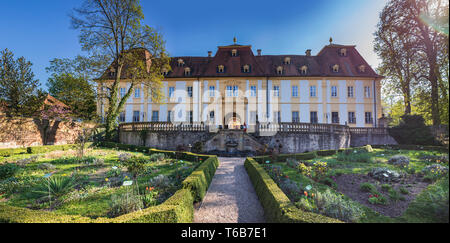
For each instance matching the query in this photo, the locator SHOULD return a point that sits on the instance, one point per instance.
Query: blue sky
(40, 30)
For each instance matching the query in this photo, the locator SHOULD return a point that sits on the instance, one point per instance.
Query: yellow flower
(64, 175)
(106, 179)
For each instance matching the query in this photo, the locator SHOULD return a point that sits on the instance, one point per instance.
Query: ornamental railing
(162, 127)
(301, 127)
(367, 130)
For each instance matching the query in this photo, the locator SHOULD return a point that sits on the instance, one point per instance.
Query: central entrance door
(234, 122)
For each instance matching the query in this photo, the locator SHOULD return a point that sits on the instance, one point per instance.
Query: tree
(71, 83)
(18, 87)
(113, 30)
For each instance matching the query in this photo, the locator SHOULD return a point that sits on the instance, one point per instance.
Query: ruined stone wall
(164, 139)
(24, 132)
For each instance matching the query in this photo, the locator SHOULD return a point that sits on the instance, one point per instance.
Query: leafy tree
(113, 29)
(419, 40)
(18, 87)
(70, 82)
(412, 130)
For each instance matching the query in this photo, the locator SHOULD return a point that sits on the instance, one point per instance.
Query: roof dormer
(279, 70)
(187, 71)
(164, 71)
(180, 62)
(336, 68)
(234, 53)
(221, 69)
(287, 61)
(246, 68)
(362, 68)
(343, 52)
(304, 70)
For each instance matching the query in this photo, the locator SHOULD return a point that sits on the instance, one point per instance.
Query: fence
(162, 127)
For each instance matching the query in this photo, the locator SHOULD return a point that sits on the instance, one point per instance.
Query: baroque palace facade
(237, 87)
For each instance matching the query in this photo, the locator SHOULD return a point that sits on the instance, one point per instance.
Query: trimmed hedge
(198, 182)
(277, 206)
(11, 151)
(37, 149)
(413, 147)
(326, 152)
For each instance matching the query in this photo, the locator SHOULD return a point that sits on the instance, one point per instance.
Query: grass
(422, 209)
(94, 189)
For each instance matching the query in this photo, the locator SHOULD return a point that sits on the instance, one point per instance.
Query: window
(343, 52)
(189, 91)
(155, 116)
(122, 117)
(334, 117)
(350, 91)
(368, 116)
(295, 117)
(164, 71)
(229, 91)
(287, 61)
(367, 91)
(276, 90)
(122, 92)
(171, 91)
(304, 70)
(280, 70)
(312, 91)
(187, 71)
(191, 117)
(246, 69)
(136, 116)
(333, 91)
(234, 53)
(211, 116)
(252, 117)
(137, 92)
(253, 91)
(211, 91)
(236, 91)
(180, 62)
(313, 117)
(221, 69)
(351, 117)
(277, 117)
(169, 116)
(294, 91)
(336, 68)
(362, 68)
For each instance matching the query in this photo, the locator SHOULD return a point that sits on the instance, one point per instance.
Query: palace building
(237, 86)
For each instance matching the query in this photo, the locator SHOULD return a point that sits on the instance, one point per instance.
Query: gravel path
(231, 197)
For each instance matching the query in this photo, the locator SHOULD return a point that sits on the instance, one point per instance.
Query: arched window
(234, 53)
(304, 70)
(362, 68)
(180, 62)
(287, 60)
(336, 68)
(280, 70)
(343, 52)
(220, 69)
(246, 68)
(187, 71)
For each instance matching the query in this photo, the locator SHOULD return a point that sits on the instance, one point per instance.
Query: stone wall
(163, 139)
(372, 139)
(24, 132)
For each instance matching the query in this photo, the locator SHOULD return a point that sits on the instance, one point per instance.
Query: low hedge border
(37, 149)
(277, 206)
(413, 147)
(199, 181)
(179, 208)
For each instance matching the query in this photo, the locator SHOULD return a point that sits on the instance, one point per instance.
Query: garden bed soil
(349, 184)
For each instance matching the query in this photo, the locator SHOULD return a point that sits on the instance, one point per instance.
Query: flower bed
(156, 193)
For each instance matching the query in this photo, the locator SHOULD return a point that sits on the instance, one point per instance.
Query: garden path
(231, 197)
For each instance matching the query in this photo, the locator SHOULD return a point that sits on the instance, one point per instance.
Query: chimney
(308, 52)
(259, 52)
(209, 53)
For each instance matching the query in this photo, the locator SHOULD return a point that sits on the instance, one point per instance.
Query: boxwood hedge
(198, 182)
(277, 206)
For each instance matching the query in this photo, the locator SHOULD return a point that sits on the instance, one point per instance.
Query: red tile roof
(266, 65)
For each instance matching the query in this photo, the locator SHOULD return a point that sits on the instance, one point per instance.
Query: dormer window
(234, 53)
(343, 52)
(304, 70)
(187, 71)
(164, 71)
(246, 68)
(280, 70)
(362, 68)
(287, 60)
(112, 72)
(180, 62)
(336, 68)
(220, 69)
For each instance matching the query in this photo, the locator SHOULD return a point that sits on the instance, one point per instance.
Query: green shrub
(412, 130)
(326, 152)
(377, 199)
(305, 170)
(367, 187)
(157, 157)
(124, 203)
(8, 170)
(395, 195)
(403, 190)
(354, 156)
(11, 151)
(293, 163)
(386, 187)
(335, 206)
(57, 186)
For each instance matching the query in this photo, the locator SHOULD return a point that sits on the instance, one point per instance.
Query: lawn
(383, 185)
(92, 185)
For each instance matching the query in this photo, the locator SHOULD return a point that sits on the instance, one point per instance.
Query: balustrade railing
(162, 127)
